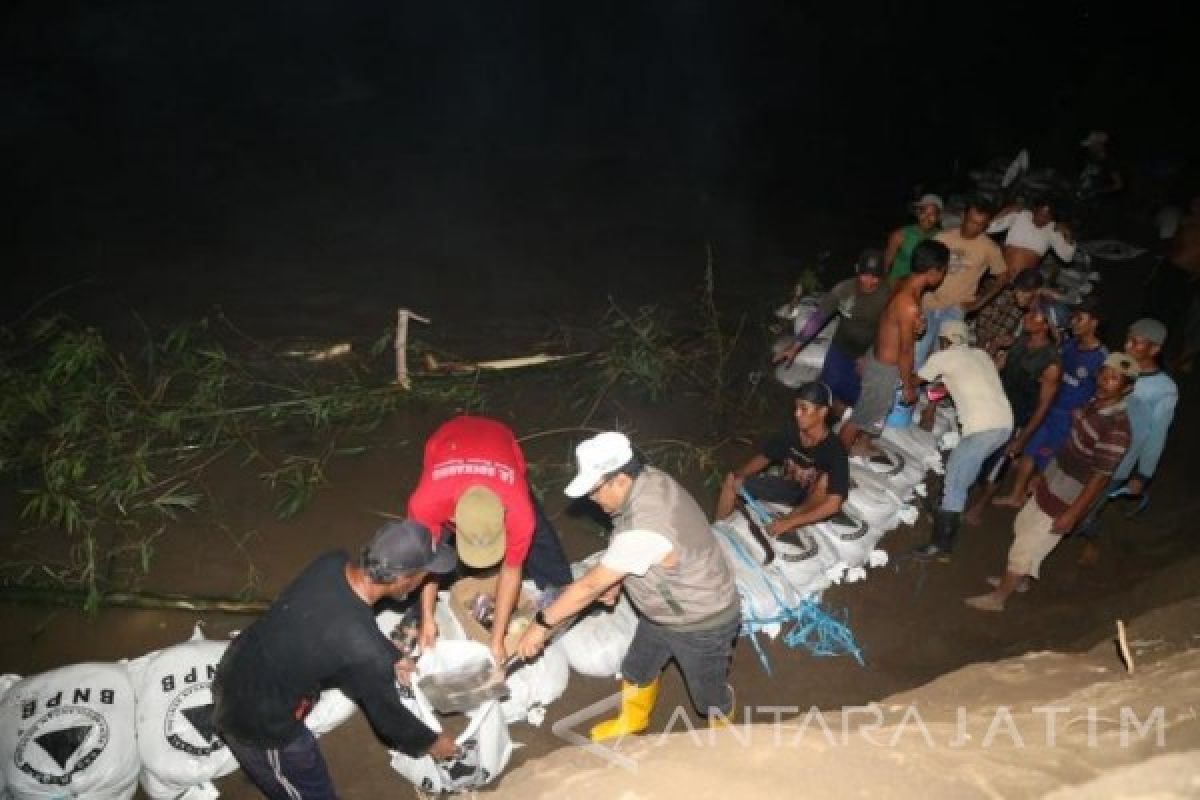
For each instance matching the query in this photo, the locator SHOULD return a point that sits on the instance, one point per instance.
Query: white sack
(70, 732)
(177, 739)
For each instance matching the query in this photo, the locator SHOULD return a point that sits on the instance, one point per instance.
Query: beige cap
(479, 528)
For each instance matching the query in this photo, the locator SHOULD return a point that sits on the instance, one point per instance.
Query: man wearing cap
(971, 378)
(972, 254)
(859, 301)
(897, 258)
(816, 473)
(890, 362)
(321, 633)
(1082, 355)
(473, 486)
(1151, 411)
(665, 556)
(1030, 372)
(1073, 482)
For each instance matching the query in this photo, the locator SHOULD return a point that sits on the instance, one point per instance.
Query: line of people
(1026, 391)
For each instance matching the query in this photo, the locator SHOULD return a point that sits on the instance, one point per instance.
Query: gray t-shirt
(860, 314)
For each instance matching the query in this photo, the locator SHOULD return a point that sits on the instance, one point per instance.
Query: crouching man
(664, 555)
(816, 473)
(1073, 482)
(321, 633)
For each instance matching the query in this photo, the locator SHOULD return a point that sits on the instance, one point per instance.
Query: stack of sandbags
(70, 732)
(177, 739)
(765, 593)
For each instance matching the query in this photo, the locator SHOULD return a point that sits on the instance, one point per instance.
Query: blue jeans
(966, 459)
(294, 772)
(933, 323)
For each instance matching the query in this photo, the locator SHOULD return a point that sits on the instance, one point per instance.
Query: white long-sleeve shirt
(1023, 233)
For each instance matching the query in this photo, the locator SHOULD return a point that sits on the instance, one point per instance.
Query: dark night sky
(109, 102)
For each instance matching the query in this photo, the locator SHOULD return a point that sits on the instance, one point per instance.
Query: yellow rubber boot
(636, 704)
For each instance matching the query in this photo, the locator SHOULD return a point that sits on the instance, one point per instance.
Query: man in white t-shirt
(664, 555)
(970, 376)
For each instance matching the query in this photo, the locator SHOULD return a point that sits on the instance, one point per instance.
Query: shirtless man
(1031, 234)
(890, 361)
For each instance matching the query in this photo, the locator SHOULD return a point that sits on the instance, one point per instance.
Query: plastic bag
(176, 737)
(485, 747)
(70, 732)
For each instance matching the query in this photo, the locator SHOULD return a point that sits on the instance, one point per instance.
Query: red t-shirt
(475, 451)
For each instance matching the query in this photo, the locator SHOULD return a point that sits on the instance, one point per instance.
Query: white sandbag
(852, 540)
(763, 590)
(875, 507)
(534, 686)
(70, 732)
(485, 747)
(6, 683)
(807, 364)
(804, 561)
(945, 421)
(918, 443)
(177, 739)
(598, 641)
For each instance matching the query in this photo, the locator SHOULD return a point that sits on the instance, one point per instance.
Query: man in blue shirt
(1151, 410)
(1082, 356)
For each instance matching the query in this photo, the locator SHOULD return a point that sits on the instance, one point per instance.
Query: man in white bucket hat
(664, 555)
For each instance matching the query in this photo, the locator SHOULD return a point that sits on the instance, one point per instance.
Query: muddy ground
(509, 266)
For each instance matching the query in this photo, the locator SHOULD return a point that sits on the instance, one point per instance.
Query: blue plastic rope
(813, 628)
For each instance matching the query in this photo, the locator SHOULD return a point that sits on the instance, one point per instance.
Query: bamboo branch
(30, 595)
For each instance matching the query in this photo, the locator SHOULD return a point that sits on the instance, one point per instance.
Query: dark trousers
(546, 565)
(294, 772)
(703, 658)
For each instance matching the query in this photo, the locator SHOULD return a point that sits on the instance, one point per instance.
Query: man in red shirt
(473, 487)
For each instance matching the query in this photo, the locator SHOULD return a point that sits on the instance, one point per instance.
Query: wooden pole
(402, 317)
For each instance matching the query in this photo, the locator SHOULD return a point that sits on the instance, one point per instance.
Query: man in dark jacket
(321, 633)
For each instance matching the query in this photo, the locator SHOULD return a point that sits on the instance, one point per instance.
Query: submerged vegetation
(110, 446)
(109, 443)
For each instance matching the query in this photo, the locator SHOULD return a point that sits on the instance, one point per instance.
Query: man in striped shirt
(1099, 438)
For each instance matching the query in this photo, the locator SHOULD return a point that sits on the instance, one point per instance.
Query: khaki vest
(699, 590)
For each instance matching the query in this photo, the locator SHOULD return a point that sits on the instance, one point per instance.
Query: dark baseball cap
(403, 546)
(870, 262)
